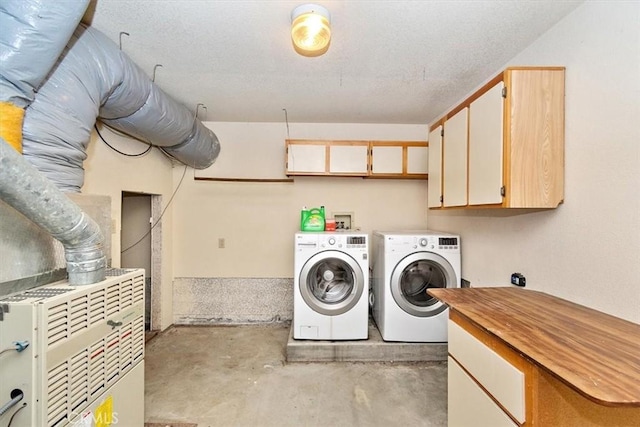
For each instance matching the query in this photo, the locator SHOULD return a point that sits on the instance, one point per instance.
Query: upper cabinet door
(454, 150)
(386, 159)
(348, 159)
(417, 160)
(399, 159)
(535, 140)
(486, 127)
(306, 158)
(434, 199)
(323, 157)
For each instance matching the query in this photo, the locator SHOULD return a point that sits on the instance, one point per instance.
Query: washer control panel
(314, 241)
(448, 242)
(340, 241)
(424, 242)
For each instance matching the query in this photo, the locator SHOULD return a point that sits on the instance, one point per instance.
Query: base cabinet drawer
(503, 381)
(469, 405)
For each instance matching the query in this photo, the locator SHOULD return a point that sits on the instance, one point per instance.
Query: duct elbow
(86, 262)
(37, 198)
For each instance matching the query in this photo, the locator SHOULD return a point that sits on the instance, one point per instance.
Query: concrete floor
(238, 376)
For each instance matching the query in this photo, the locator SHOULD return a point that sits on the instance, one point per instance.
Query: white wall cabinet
(504, 145)
(323, 157)
(399, 159)
(372, 159)
(434, 196)
(454, 190)
(486, 144)
(349, 159)
(306, 159)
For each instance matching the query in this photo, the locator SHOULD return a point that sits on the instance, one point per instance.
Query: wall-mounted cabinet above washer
(399, 159)
(504, 145)
(367, 159)
(321, 157)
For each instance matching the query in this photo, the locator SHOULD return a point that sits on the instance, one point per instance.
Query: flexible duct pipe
(91, 78)
(94, 78)
(27, 191)
(34, 33)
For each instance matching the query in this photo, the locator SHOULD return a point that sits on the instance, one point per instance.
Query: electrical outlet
(518, 279)
(221, 243)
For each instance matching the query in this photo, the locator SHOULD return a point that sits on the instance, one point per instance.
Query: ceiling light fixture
(310, 29)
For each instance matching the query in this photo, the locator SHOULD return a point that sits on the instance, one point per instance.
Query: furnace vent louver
(84, 341)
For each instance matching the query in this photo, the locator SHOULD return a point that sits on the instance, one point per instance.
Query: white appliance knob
(332, 241)
(423, 242)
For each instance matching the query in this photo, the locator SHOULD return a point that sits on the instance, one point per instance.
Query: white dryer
(405, 265)
(331, 286)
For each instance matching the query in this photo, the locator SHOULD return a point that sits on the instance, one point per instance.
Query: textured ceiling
(389, 61)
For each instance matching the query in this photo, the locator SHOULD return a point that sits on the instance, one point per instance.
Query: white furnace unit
(74, 355)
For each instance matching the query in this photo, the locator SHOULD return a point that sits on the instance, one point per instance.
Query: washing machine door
(331, 282)
(416, 273)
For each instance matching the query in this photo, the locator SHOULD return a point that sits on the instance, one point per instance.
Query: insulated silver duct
(34, 34)
(37, 198)
(94, 78)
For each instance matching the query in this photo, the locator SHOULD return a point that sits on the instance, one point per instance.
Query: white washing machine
(331, 286)
(405, 265)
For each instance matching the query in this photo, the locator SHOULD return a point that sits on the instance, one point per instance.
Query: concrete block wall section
(210, 300)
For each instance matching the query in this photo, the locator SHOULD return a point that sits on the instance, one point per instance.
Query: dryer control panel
(424, 242)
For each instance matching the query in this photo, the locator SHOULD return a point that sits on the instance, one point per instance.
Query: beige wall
(587, 250)
(109, 173)
(258, 220)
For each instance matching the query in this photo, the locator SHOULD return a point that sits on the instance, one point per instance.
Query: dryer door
(416, 273)
(331, 282)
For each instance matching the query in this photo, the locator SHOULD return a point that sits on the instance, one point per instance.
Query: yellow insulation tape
(11, 124)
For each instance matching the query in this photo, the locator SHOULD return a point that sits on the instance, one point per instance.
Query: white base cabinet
(469, 405)
(500, 383)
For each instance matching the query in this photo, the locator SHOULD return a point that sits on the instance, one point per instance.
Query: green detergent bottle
(312, 219)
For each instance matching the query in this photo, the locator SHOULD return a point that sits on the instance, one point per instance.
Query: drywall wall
(109, 173)
(251, 278)
(587, 250)
(258, 220)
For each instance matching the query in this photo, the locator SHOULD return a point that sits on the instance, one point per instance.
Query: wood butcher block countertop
(596, 354)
